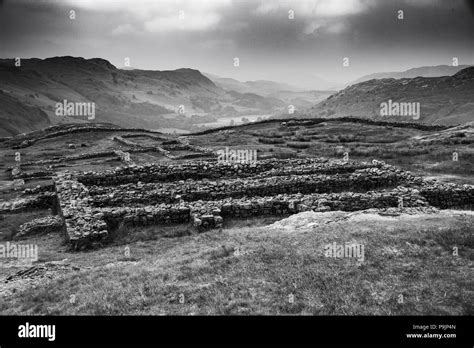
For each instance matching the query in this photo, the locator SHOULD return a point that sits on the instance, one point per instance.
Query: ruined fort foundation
(88, 206)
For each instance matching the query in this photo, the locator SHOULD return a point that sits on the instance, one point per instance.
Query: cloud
(124, 29)
(423, 3)
(316, 8)
(188, 22)
(325, 26)
(159, 16)
(319, 16)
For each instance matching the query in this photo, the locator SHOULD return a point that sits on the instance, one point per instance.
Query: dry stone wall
(192, 190)
(149, 215)
(198, 170)
(206, 193)
(39, 226)
(82, 226)
(44, 200)
(447, 196)
(56, 131)
(39, 189)
(166, 147)
(211, 214)
(292, 122)
(32, 175)
(69, 158)
(154, 137)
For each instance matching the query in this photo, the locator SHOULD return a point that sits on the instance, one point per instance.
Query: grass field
(409, 267)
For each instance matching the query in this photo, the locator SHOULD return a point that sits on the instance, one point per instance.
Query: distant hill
(444, 100)
(301, 100)
(289, 94)
(16, 117)
(129, 98)
(261, 87)
(424, 71)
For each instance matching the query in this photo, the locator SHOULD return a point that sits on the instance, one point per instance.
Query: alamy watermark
(37, 331)
(28, 252)
(75, 109)
(236, 156)
(345, 251)
(392, 108)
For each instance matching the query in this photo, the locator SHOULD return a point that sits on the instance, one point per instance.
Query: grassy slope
(410, 256)
(443, 100)
(393, 145)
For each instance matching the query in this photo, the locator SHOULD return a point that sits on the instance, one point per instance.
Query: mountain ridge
(129, 98)
(444, 100)
(423, 71)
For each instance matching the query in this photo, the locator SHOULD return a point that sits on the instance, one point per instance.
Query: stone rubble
(39, 226)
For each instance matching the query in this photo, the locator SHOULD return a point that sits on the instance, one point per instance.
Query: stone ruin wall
(198, 170)
(198, 202)
(83, 227)
(166, 147)
(204, 194)
(211, 214)
(259, 185)
(56, 131)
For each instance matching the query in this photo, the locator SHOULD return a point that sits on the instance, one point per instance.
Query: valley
(183, 99)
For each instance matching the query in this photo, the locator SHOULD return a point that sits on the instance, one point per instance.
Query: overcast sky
(208, 35)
